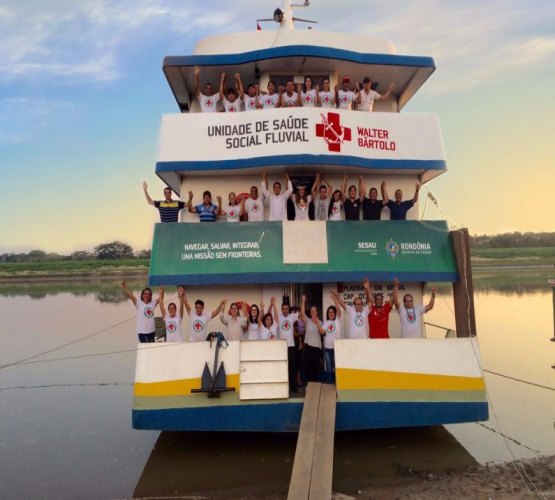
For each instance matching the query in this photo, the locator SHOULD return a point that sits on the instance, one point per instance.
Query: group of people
(309, 338)
(234, 99)
(322, 203)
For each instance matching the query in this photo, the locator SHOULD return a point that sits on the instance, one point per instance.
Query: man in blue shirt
(399, 208)
(207, 211)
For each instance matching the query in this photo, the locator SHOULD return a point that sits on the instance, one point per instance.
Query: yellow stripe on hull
(350, 379)
(177, 387)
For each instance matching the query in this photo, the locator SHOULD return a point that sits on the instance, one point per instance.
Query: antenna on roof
(284, 16)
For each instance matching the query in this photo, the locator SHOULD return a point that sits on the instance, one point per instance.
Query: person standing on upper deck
(271, 99)
(250, 99)
(169, 209)
(308, 96)
(371, 206)
(206, 210)
(230, 102)
(399, 208)
(320, 191)
(209, 100)
(366, 97)
(234, 211)
(290, 98)
(277, 199)
(353, 202)
(253, 206)
(411, 315)
(358, 317)
(199, 319)
(378, 317)
(326, 96)
(344, 96)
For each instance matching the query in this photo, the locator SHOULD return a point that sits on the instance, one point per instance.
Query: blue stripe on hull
(286, 417)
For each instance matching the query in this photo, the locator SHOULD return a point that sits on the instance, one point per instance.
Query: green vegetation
(535, 256)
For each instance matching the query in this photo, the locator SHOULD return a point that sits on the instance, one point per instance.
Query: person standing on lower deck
(331, 330)
(358, 316)
(169, 208)
(286, 320)
(378, 317)
(172, 318)
(399, 208)
(233, 320)
(313, 344)
(145, 306)
(411, 315)
(199, 319)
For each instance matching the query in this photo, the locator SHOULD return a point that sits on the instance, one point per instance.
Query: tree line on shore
(119, 250)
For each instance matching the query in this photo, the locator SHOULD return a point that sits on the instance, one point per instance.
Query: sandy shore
(533, 478)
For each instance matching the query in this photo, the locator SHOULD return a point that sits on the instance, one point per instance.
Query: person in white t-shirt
(307, 95)
(358, 317)
(277, 199)
(337, 201)
(171, 318)
(269, 329)
(249, 98)
(290, 98)
(254, 323)
(270, 99)
(234, 321)
(326, 96)
(233, 211)
(301, 200)
(366, 97)
(344, 96)
(230, 101)
(253, 206)
(331, 330)
(199, 319)
(208, 100)
(286, 321)
(144, 306)
(411, 315)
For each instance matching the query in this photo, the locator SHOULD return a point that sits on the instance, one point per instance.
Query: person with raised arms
(206, 210)
(277, 199)
(366, 97)
(254, 322)
(253, 206)
(144, 306)
(269, 329)
(171, 318)
(399, 208)
(353, 202)
(208, 100)
(168, 208)
(331, 330)
(199, 319)
(371, 206)
(320, 192)
(230, 101)
(234, 321)
(378, 317)
(358, 316)
(233, 211)
(286, 320)
(411, 315)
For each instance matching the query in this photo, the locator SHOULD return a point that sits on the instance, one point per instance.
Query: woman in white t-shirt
(331, 330)
(308, 96)
(301, 200)
(269, 327)
(233, 211)
(326, 96)
(336, 201)
(270, 99)
(171, 318)
(254, 321)
(145, 312)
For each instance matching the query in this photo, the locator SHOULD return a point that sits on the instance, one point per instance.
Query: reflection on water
(73, 438)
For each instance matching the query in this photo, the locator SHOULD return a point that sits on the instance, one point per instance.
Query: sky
(82, 91)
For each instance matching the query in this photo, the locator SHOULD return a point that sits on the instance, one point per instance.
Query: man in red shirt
(378, 317)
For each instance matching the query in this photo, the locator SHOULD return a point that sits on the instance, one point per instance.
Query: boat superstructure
(397, 382)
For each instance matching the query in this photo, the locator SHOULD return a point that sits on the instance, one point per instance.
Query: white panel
(256, 372)
(181, 360)
(263, 350)
(458, 357)
(305, 242)
(264, 391)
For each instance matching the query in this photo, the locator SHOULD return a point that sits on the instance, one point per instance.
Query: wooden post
(463, 291)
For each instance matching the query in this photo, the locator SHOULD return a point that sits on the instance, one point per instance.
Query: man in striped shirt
(169, 209)
(206, 210)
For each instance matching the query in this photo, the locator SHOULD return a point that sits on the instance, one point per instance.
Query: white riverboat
(380, 383)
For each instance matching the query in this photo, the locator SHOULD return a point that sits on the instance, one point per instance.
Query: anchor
(214, 383)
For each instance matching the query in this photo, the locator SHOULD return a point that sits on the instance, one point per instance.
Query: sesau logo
(333, 133)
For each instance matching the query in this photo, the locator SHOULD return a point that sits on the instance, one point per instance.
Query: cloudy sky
(81, 93)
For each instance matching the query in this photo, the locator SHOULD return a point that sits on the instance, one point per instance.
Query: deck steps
(313, 467)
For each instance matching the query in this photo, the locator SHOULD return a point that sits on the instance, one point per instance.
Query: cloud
(22, 118)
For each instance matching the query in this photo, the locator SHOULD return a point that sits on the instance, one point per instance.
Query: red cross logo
(197, 325)
(332, 132)
(149, 312)
(209, 102)
(255, 207)
(232, 109)
(232, 213)
(171, 326)
(286, 325)
(307, 99)
(269, 102)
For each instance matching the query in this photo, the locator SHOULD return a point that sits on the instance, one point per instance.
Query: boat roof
(298, 52)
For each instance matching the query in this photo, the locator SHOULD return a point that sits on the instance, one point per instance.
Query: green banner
(253, 252)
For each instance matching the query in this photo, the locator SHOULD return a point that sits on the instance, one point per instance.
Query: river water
(65, 416)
